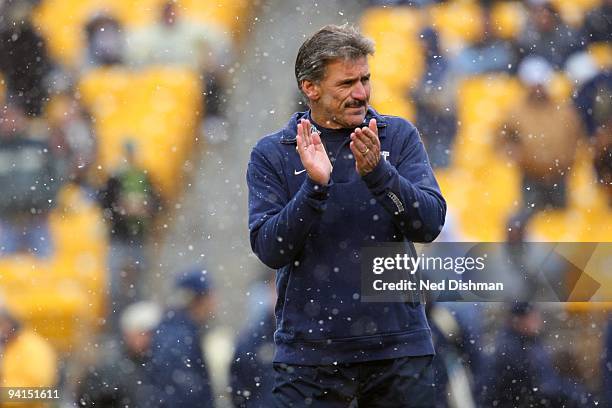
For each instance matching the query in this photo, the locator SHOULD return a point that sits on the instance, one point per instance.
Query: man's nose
(359, 92)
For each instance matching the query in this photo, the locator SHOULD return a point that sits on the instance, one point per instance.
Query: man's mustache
(355, 104)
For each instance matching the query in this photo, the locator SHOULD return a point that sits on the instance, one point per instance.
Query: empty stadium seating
(157, 109)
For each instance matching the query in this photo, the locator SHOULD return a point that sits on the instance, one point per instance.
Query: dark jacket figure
(547, 36)
(130, 201)
(251, 371)
(598, 23)
(606, 372)
(593, 100)
(24, 62)
(179, 368)
(521, 372)
(433, 98)
(122, 380)
(123, 376)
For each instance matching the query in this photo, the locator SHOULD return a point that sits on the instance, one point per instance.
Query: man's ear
(311, 90)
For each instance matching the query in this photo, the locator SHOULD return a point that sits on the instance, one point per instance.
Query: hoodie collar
(289, 133)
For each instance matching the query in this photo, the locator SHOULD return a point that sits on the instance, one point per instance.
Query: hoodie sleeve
(409, 191)
(279, 224)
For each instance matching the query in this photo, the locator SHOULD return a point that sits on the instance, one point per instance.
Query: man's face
(341, 97)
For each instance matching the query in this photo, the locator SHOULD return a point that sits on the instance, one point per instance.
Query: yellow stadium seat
(508, 18)
(602, 54)
(23, 271)
(398, 61)
(60, 313)
(157, 109)
(458, 21)
(81, 237)
(482, 104)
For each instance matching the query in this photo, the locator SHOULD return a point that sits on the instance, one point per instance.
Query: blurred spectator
(122, 374)
(72, 136)
(26, 359)
(490, 54)
(592, 100)
(29, 180)
(105, 42)
(436, 118)
(541, 136)
(521, 372)
(205, 48)
(24, 61)
(451, 369)
(598, 23)
(251, 374)
(130, 204)
(548, 36)
(607, 366)
(180, 373)
(603, 154)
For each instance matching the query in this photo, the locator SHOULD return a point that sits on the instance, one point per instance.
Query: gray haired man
(337, 178)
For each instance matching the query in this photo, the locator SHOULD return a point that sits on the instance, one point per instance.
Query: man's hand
(312, 153)
(365, 146)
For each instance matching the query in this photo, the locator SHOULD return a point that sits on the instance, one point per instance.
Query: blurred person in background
(547, 36)
(24, 61)
(26, 359)
(598, 23)
(606, 369)
(180, 372)
(603, 143)
(30, 178)
(452, 373)
(176, 40)
(72, 135)
(105, 42)
(541, 136)
(490, 54)
(521, 373)
(434, 100)
(130, 204)
(251, 373)
(122, 375)
(592, 94)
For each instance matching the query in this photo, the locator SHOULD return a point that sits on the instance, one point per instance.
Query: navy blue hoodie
(313, 235)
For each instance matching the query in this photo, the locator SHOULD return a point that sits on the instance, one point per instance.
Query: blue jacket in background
(607, 366)
(313, 235)
(251, 373)
(178, 367)
(521, 373)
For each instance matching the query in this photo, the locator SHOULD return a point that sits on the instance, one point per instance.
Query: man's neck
(324, 121)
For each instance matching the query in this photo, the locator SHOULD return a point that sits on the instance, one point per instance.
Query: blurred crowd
(518, 361)
(147, 354)
(49, 145)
